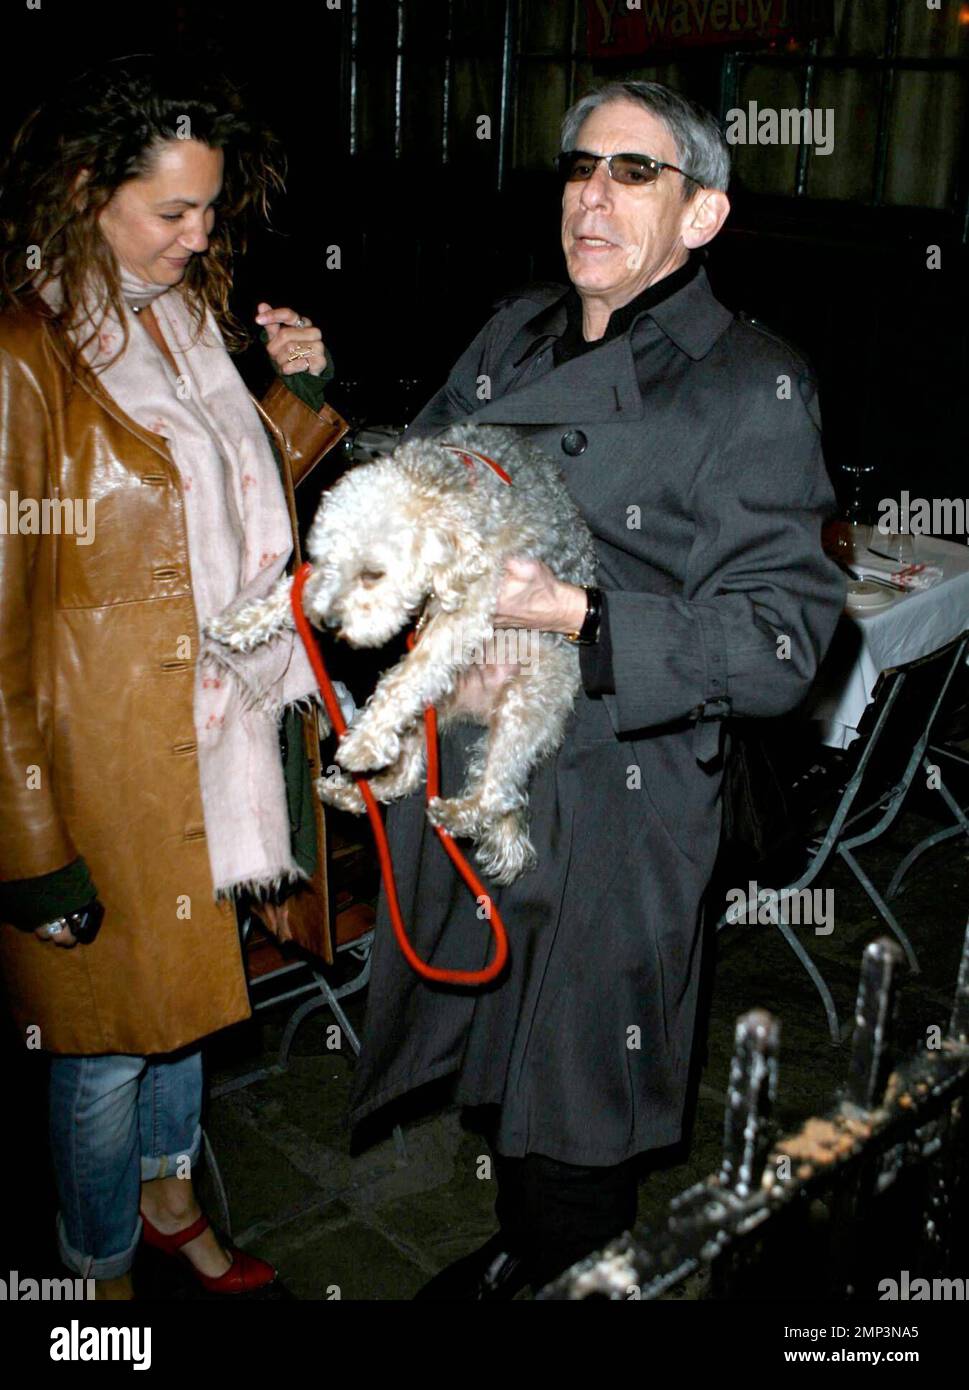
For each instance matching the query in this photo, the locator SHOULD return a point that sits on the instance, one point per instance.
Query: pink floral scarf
(239, 542)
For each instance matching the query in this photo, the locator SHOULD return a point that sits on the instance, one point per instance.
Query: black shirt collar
(572, 343)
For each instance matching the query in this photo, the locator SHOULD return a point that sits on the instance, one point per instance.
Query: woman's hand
(64, 937)
(275, 916)
(531, 596)
(290, 334)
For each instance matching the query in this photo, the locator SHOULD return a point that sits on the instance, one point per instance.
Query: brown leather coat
(97, 745)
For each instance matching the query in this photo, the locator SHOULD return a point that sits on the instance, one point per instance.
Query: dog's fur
(421, 531)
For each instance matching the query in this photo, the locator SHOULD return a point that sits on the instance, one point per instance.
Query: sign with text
(621, 28)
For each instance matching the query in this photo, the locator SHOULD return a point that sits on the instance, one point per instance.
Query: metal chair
(961, 827)
(215, 1174)
(883, 761)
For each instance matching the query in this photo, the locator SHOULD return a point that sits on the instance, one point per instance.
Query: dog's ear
(455, 558)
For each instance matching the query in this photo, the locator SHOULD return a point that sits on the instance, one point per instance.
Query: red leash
(429, 972)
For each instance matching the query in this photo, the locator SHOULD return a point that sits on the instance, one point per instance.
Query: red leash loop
(429, 972)
(469, 455)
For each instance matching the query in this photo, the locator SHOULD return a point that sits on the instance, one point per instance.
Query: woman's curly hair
(112, 122)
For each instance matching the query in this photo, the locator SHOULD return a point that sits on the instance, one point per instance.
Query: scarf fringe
(229, 663)
(258, 887)
(251, 700)
(310, 703)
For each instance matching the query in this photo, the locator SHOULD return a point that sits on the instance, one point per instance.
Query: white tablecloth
(914, 625)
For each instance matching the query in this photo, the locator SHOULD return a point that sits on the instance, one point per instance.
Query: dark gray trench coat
(691, 445)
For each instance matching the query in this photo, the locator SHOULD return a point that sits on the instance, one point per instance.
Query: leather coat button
(574, 443)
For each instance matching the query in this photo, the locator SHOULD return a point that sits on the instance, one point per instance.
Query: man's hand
(290, 333)
(478, 687)
(531, 596)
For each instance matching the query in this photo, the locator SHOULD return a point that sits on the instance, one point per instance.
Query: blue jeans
(116, 1122)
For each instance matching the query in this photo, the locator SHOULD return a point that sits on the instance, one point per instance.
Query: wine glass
(896, 545)
(855, 533)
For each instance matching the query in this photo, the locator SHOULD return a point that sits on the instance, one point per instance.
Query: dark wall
(425, 247)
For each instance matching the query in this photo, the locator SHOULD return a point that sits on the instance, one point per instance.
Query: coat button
(574, 443)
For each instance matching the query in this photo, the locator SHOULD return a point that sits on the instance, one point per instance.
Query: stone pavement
(373, 1225)
(376, 1227)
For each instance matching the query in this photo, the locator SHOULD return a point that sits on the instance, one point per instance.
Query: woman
(136, 777)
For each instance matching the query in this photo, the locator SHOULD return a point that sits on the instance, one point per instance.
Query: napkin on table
(913, 577)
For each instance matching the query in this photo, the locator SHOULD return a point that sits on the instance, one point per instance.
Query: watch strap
(588, 633)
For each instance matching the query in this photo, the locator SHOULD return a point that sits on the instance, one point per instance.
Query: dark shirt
(596, 660)
(573, 344)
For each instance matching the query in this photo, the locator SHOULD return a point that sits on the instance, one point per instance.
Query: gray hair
(701, 149)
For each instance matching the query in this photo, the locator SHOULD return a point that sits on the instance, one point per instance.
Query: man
(690, 441)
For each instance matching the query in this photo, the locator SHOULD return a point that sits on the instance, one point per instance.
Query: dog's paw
(505, 852)
(230, 633)
(456, 815)
(244, 628)
(336, 789)
(363, 749)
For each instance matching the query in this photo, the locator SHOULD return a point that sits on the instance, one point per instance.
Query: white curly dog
(426, 531)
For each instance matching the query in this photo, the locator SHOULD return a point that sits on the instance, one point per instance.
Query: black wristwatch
(589, 631)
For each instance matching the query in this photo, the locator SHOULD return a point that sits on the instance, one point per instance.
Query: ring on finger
(297, 351)
(51, 929)
(300, 322)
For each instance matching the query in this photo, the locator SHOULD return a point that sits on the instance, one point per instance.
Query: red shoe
(245, 1273)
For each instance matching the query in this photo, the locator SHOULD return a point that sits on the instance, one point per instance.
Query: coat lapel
(93, 387)
(595, 389)
(600, 387)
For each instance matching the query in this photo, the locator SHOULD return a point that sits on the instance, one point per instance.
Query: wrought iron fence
(859, 1203)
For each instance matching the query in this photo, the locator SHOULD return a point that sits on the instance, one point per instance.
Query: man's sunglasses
(577, 166)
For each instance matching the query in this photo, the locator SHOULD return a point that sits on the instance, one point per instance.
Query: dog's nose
(368, 578)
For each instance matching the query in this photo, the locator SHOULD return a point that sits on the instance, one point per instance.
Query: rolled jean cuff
(172, 1165)
(107, 1267)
